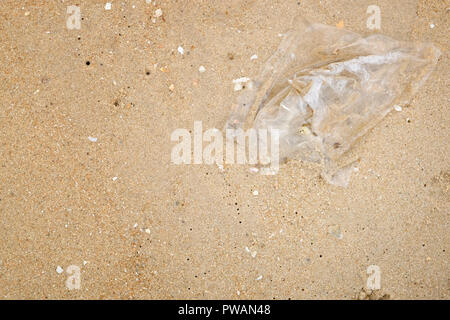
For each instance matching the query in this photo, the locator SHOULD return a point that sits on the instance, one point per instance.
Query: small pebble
(254, 57)
(180, 50)
(255, 193)
(108, 6)
(259, 278)
(432, 25)
(147, 230)
(92, 139)
(158, 13)
(171, 87)
(340, 24)
(397, 108)
(201, 69)
(59, 269)
(114, 178)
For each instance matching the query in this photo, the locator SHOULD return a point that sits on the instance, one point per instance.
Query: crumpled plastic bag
(325, 87)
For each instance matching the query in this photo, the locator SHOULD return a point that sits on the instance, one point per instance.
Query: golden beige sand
(87, 180)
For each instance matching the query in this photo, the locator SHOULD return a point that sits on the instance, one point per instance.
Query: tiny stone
(254, 57)
(201, 69)
(432, 25)
(171, 87)
(255, 193)
(259, 278)
(92, 139)
(114, 178)
(59, 269)
(108, 6)
(158, 13)
(180, 50)
(397, 108)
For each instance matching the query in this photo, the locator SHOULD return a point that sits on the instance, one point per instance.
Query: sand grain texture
(139, 227)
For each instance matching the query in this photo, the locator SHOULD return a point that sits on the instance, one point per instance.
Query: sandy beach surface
(91, 206)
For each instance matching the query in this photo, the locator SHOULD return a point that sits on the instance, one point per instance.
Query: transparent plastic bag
(325, 87)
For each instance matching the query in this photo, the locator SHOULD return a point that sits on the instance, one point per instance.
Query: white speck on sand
(259, 278)
(158, 13)
(92, 139)
(180, 50)
(147, 230)
(59, 269)
(255, 192)
(201, 69)
(397, 108)
(254, 57)
(114, 178)
(108, 6)
(252, 253)
(432, 25)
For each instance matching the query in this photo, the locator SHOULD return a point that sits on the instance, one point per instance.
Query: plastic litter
(326, 87)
